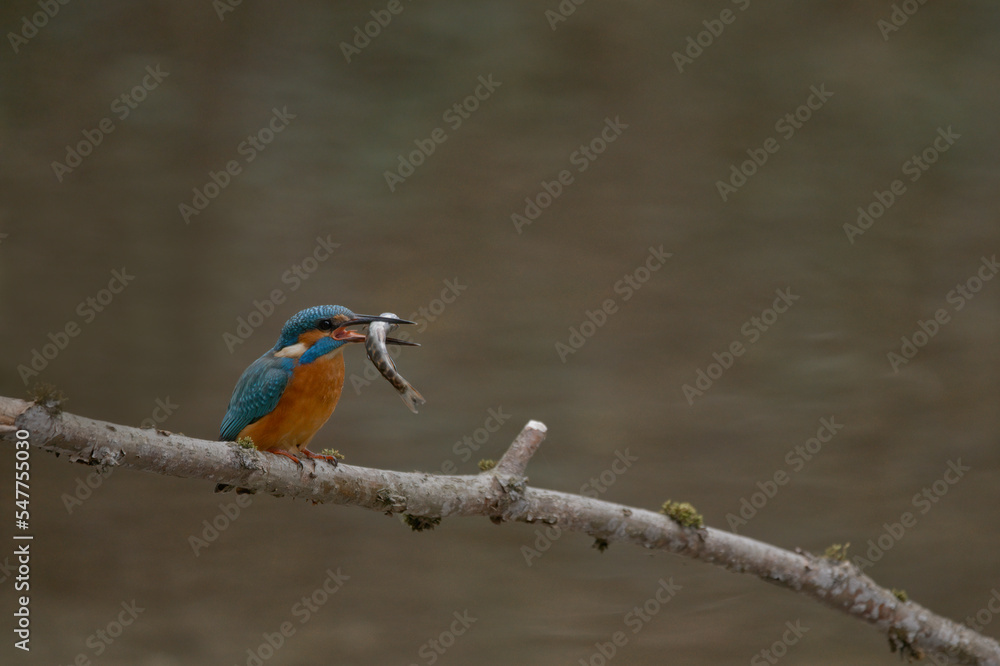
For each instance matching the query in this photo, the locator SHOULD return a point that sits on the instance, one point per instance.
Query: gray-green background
(494, 346)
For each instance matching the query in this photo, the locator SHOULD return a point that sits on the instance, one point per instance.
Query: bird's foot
(279, 452)
(316, 456)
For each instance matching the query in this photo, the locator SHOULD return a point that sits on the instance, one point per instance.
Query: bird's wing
(256, 394)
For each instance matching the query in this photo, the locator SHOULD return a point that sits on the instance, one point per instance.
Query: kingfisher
(286, 395)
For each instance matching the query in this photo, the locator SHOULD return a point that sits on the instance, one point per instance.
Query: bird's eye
(325, 325)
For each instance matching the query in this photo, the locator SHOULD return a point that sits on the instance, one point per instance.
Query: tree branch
(500, 494)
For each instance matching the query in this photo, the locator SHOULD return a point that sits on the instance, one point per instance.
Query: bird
(285, 396)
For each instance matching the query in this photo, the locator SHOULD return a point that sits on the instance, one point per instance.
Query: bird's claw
(316, 456)
(288, 455)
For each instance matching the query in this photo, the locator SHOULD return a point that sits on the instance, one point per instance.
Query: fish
(375, 345)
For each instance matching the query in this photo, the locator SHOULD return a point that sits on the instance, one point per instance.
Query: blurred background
(120, 220)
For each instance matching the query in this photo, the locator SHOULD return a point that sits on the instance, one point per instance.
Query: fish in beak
(342, 332)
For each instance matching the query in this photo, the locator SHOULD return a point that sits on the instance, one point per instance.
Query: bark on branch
(501, 494)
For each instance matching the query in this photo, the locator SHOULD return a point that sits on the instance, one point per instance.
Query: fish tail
(411, 397)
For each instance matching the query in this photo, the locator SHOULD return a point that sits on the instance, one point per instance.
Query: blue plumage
(306, 320)
(256, 394)
(261, 386)
(259, 389)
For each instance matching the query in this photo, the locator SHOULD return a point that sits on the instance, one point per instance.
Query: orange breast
(308, 401)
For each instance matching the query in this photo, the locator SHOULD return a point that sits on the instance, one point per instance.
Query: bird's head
(322, 329)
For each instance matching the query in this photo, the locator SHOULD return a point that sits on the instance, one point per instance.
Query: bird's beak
(397, 341)
(341, 332)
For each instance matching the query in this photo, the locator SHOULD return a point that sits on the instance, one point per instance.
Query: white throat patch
(291, 351)
(298, 349)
